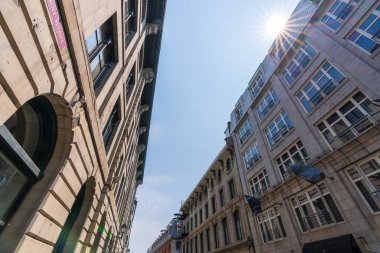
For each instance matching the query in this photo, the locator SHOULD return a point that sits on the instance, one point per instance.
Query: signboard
(58, 28)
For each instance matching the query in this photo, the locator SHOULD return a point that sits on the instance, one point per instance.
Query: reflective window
(367, 35)
(266, 104)
(251, 155)
(320, 85)
(338, 13)
(271, 226)
(278, 128)
(259, 184)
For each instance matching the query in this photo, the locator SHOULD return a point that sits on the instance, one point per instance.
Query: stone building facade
(77, 81)
(311, 101)
(169, 240)
(214, 215)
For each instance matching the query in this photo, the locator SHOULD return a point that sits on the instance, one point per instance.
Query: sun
(275, 24)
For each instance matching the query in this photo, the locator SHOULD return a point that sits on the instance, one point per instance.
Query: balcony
(317, 220)
(254, 159)
(354, 130)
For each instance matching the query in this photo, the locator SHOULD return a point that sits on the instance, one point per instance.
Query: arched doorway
(68, 238)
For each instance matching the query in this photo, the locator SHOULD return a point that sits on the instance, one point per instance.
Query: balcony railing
(254, 159)
(289, 174)
(281, 133)
(244, 137)
(258, 194)
(272, 234)
(323, 92)
(354, 130)
(317, 220)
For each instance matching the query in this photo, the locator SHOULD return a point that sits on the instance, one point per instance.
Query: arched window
(27, 142)
(229, 164)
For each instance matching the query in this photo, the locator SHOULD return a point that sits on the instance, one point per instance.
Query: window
(251, 156)
(282, 46)
(231, 187)
(144, 10)
(216, 235)
(191, 245)
(351, 119)
(206, 210)
(221, 197)
(229, 164)
(271, 226)
(245, 131)
(237, 222)
(295, 154)
(213, 204)
(196, 220)
(257, 85)
(208, 239)
(366, 178)
(266, 104)
(191, 224)
(196, 244)
(278, 128)
(111, 125)
(259, 184)
(130, 84)
(320, 85)
(27, 142)
(129, 22)
(226, 235)
(315, 208)
(299, 63)
(201, 242)
(338, 13)
(238, 112)
(200, 216)
(100, 49)
(367, 35)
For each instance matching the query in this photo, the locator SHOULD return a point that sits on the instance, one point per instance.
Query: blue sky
(210, 50)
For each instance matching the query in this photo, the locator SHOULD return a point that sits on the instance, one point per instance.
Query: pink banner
(55, 18)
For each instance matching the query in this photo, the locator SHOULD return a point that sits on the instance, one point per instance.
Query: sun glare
(275, 24)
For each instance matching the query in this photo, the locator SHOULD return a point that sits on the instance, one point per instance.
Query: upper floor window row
(282, 45)
(278, 128)
(338, 13)
(100, 49)
(298, 63)
(245, 131)
(238, 112)
(257, 85)
(367, 35)
(320, 85)
(351, 119)
(266, 104)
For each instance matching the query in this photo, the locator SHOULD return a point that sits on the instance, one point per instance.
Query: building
(169, 240)
(77, 81)
(311, 101)
(215, 214)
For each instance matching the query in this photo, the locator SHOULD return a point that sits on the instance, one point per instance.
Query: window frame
(352, 4)
(251, 154)
(271, 217)
(245, 131)
(257, 85)
(274, 125)
(266, 104)
(259, 184)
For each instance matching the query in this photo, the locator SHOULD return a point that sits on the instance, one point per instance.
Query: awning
(340, 244)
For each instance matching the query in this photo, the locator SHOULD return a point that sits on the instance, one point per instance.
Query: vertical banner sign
(55, 18)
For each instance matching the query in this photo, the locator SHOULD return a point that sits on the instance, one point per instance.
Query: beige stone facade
(312, 101)
(215, 217)
(77, 81)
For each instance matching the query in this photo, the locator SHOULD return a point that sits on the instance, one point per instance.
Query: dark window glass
(231, 186)
(111, 125)
(226, 235)
(237, 222)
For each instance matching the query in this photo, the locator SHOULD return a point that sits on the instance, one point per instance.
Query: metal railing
(272, 234)
(323, 92)
(289, 174)
(354, 130)
(317, 220)
(258, 194)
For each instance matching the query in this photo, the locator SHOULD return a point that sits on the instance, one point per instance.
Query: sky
(210, 50)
